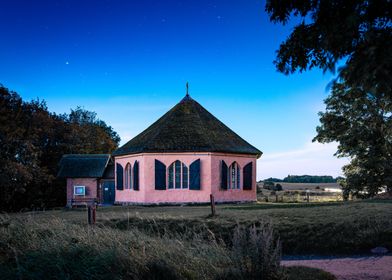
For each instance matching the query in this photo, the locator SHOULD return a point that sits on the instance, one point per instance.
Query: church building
(183, 157)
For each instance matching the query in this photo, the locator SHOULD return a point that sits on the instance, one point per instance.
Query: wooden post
(91, 214)
(307, 196)
(276, 198)
(212, 201)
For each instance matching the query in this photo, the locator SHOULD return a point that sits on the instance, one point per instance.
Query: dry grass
(182, 242)
(304, 228)
(33, 248)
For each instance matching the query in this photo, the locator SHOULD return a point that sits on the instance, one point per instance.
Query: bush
(257, 253)
(278, 187)
(268, 185)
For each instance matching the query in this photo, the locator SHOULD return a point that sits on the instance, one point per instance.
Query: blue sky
(129, 62)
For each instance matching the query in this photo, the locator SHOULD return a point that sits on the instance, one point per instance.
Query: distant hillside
(305, 179)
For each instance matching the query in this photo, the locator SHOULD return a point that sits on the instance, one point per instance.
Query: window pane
(171, 174)
(233, 177)
(184, 176)
(79, 190)
(126, 177)
(129, 177)
(238, 177)
(178, 174)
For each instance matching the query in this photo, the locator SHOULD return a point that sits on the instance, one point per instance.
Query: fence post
(307, 195)
(212, 201)
(276, 198)
(91, 214)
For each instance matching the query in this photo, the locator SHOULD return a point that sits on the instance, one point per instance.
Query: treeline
(32, 141)
(305, 179)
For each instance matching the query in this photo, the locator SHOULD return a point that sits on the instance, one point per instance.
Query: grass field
(297, 192)
(308, 186)
(304, 228)
(181, 242)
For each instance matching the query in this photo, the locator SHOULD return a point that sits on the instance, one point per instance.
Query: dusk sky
(129, 62)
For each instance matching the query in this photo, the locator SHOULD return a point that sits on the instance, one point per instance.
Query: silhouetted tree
(32, 141)
(358, 36)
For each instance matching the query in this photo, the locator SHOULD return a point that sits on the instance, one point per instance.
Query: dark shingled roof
(187, 127)
(83, 166)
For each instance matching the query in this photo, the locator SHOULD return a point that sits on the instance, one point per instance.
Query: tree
(278, 187)
(268, 185)
(88, 134)
(358, 32)
(358, 35)
(361, 122)
(17, 154)
(32, 141)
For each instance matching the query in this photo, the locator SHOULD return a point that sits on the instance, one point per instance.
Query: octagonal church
(183, 157)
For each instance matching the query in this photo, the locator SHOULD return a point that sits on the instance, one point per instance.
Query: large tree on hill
(357, 36)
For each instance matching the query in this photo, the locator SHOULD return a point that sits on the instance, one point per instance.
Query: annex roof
(84, 166)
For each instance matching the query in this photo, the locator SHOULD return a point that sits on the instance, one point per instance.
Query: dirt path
(364, 268)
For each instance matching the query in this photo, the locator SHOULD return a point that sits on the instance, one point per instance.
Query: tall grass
(257, 252)
(57, 249)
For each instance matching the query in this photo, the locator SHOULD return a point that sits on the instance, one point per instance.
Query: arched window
(178, 177)
(128, 176)
(119, 176)
(234, 176)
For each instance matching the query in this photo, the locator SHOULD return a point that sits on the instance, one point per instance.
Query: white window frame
(128, 180)
(236, 186)
(173, 177)
(77, 194)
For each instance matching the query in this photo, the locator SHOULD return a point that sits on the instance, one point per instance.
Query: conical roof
(187, 127)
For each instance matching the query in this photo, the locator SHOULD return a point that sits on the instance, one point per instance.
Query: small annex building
(183, 157)
(90, 178)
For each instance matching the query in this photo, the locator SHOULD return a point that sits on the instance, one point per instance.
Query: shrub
(278, 187)
(257, 253)
(268, 185)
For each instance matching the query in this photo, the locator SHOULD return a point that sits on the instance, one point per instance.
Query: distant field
(304, 186)
(296, 192)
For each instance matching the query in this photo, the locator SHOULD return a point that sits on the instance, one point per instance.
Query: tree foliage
(362, 124)
(354, 30)
(357, 35)
(32, 141)
(304, 179)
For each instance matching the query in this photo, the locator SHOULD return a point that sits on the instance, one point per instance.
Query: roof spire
(187, 97)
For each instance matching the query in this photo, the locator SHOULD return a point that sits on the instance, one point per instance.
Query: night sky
(129, 62)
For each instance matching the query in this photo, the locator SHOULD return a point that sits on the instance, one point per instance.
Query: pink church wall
(209, 179)
(147, 192)
(89, 183)
(130, 195)
(237, 194)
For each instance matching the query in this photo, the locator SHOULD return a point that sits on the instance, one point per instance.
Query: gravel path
(364, 268)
